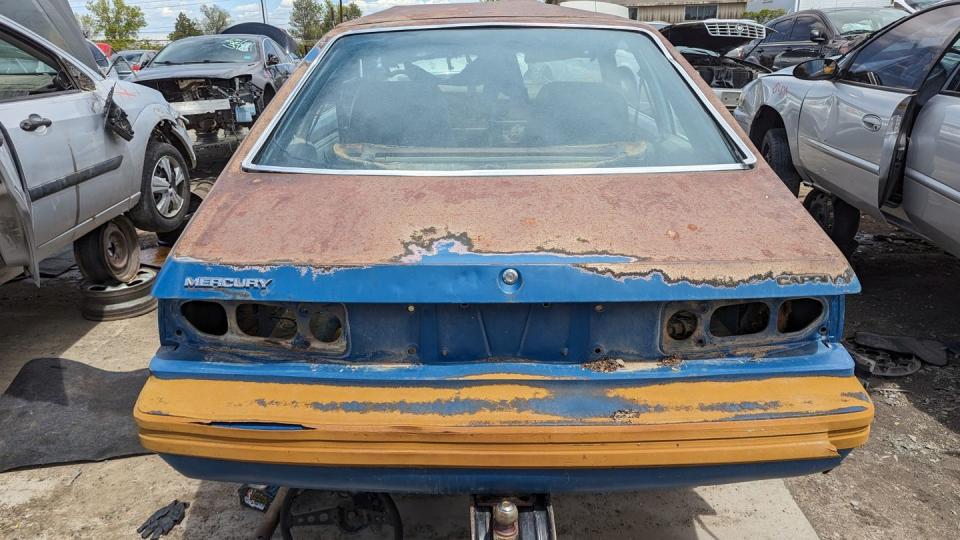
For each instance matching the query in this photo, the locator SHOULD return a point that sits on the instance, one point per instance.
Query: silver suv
(82, 159)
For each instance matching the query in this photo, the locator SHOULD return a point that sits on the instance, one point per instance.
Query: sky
(161, 14)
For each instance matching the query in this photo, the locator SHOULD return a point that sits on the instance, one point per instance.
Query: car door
(931, 182)
(54, 121)
(800, 47)
(845, 123)
(774, 44)
(284, 67)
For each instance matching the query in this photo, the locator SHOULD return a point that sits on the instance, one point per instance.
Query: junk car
(82, 158)
(707, 44)
(458, 254)
(219, 83)
(872, 132)
(818, 33)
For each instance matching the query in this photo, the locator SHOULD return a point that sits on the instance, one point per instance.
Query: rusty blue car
(499, 248)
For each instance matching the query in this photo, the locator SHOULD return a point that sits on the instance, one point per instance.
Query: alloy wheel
(166, 183)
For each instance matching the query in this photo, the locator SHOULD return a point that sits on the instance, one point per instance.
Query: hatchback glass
(496, 99)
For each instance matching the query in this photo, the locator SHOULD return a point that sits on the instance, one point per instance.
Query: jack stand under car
(518, 517)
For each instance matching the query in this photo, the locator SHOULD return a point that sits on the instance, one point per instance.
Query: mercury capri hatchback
(504, 247)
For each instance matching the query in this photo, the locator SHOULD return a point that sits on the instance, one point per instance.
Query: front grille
(744, 29)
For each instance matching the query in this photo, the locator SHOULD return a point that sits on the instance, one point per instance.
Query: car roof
(485, 12)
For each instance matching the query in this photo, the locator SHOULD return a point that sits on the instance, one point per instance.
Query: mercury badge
(226, 283)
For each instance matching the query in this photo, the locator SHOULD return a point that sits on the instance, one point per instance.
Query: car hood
(193, 71)
(406, 238)
(718, 35)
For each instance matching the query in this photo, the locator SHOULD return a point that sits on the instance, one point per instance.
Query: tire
(836, 217)
(164, 189)
(775, 149)
(109, 254)
(199, 191)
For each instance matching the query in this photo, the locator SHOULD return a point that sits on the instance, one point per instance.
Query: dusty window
(495, 99)
(23, 73)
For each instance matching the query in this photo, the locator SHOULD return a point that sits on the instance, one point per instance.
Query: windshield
(213, 49)
(495, 99)
(863, 21)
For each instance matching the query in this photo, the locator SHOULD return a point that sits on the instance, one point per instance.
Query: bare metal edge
(748, 162)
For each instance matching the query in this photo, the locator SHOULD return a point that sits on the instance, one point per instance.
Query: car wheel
(164, 189)
(838, 219)
(776, 151)
(199, 191)
(109, 254)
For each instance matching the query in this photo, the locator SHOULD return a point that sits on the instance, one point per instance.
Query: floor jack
(304, 513)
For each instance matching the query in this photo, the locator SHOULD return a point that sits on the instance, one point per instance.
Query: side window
(801, 30)
(272, 48)
(949, 67)
(25, 72)
(903, 56)
(779, 31)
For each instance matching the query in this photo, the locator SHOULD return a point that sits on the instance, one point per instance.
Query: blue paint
(483, 481)
(440, 282)
(823, 360)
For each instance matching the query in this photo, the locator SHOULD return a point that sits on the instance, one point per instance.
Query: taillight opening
(326, 326)
(207, 317)
(267, 321)
(740, 319)
(798, 314)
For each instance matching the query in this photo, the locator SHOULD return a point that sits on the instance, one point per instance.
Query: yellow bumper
(491, 423)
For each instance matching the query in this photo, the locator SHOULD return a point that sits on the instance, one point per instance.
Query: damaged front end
(705, 45)
(216, 110)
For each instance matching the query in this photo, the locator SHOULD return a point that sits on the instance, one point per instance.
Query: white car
(83, 159)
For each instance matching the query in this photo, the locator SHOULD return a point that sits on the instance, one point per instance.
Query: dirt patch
(905, 483)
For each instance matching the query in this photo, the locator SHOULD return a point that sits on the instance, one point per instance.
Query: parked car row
(873, 131)
(93, 150)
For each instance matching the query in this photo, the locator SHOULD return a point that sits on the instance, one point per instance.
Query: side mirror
(272, 59)
(818, 69)
(817, 36)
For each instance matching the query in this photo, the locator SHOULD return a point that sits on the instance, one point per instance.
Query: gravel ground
(905, 483)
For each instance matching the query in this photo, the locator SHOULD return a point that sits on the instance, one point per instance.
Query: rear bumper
(451, 434)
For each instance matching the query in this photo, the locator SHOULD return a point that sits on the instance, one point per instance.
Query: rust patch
(604, 365)
(672, 362)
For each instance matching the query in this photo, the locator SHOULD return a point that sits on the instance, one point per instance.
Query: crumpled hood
(194, 71)
(720, 36)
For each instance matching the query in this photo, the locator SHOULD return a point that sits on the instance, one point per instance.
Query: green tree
(306, 20)
(87, 25)
(117, 22)
(764, 15)
(215, 19)
(184, 27)
(331, 14)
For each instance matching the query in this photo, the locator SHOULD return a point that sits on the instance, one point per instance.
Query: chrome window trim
(748, 161)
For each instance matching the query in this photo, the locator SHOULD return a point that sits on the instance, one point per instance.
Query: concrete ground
(111, 499)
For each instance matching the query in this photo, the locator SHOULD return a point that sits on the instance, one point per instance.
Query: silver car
(82, 159)
(875, 131)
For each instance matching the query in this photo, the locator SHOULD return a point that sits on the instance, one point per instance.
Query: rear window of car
(495, 99)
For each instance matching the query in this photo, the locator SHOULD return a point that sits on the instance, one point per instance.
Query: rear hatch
(546, 269)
